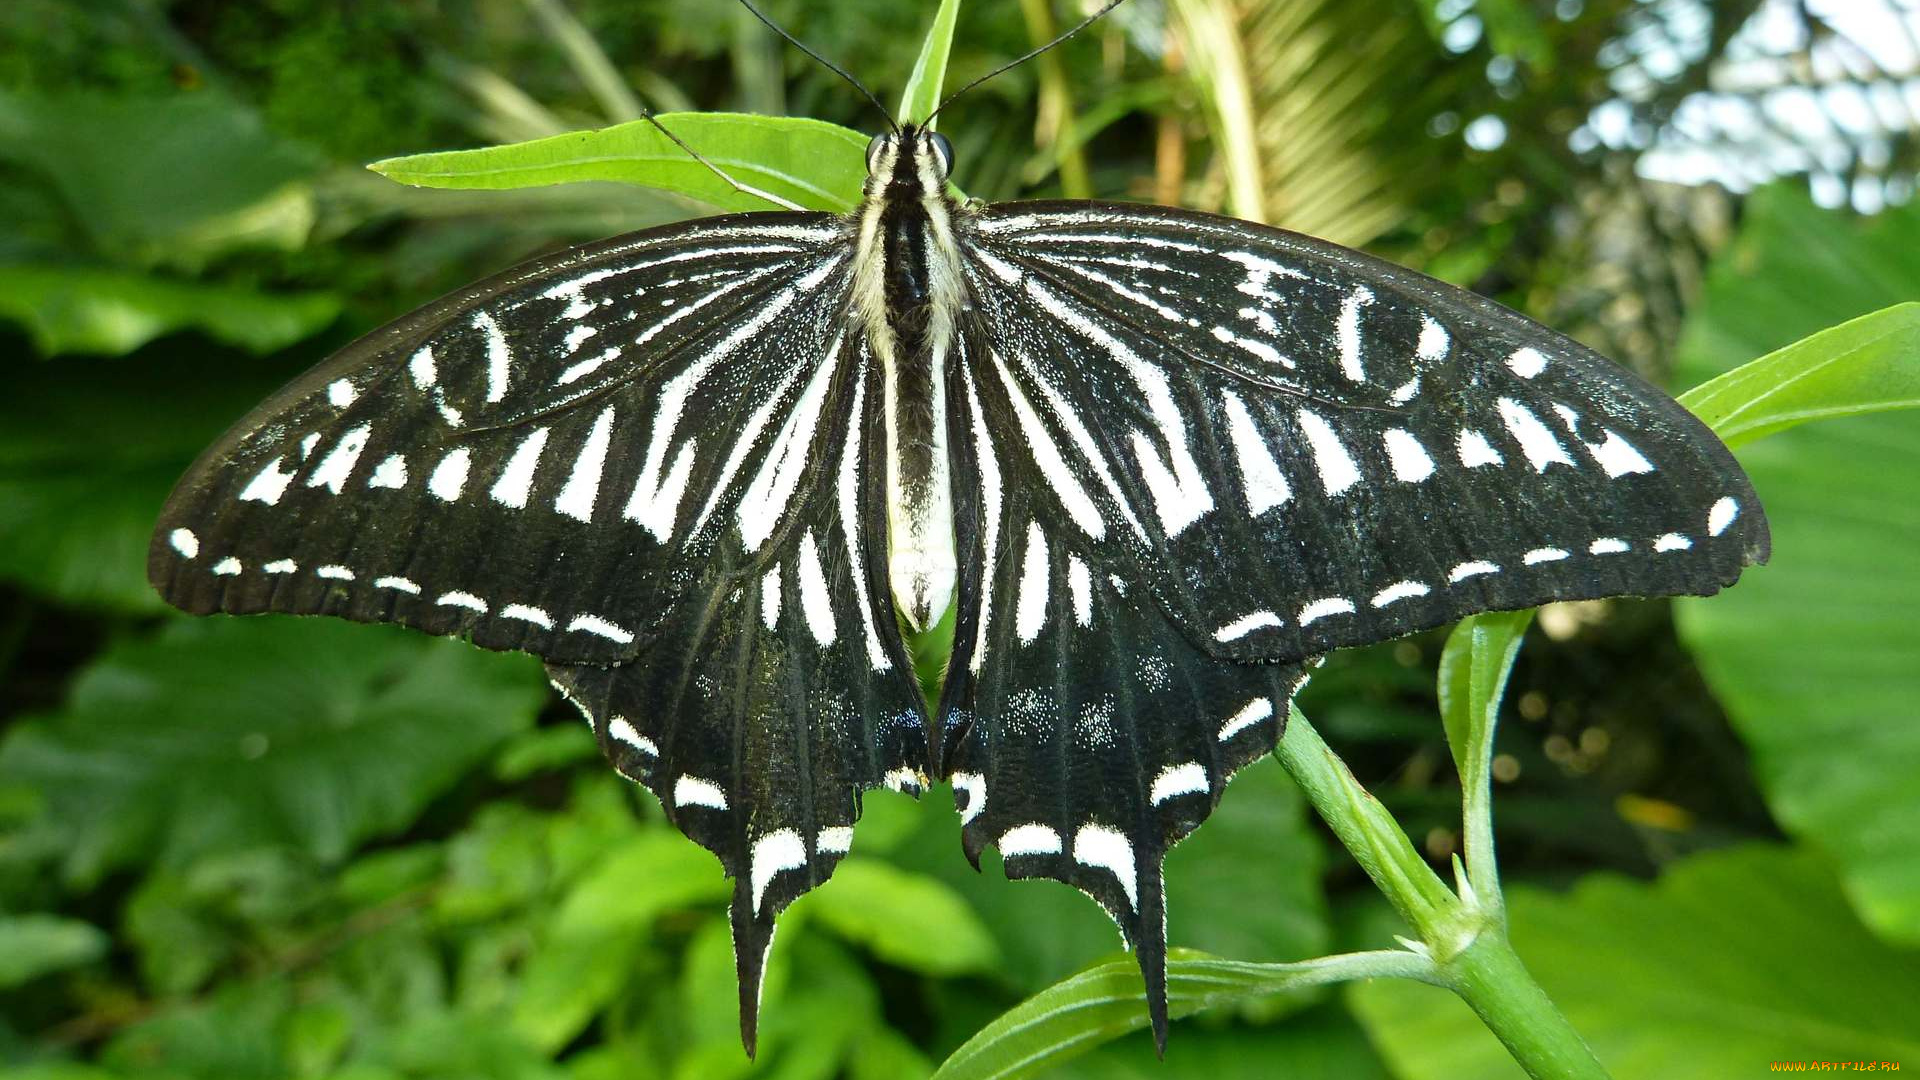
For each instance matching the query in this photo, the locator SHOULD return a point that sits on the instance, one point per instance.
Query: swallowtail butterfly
(1160, 460)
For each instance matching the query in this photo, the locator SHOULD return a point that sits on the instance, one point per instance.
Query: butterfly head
(911, 159)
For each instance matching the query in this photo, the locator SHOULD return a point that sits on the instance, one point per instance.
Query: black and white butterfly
(1160, 460)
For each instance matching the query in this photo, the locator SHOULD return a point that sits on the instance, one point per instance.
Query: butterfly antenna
(744, 189)
(1011, 64)
(824, 62)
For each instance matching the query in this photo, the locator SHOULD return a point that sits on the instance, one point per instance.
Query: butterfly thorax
(907, 294)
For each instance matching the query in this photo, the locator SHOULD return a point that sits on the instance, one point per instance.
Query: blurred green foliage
(273, 848)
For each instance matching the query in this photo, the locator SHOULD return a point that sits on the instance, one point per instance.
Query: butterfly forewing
(1298, 447)
(538, 462)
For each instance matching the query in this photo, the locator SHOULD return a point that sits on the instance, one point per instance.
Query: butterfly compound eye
(943, 151)
(873, 152)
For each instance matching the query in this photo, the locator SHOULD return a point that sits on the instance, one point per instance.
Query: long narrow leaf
(813, 163)
(1870, 364)
(922, 95)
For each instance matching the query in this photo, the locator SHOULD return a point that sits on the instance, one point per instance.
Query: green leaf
(1474, 666)
(1104, 1002)
(1813, 656)
(33, 945)
(906, 919)
(1321, 1044)
(112, 312)
(810, 162)
(1729, 961)
(1868, 365)
(922, 94)
(172, 180)
(219, 735)
(588, 954)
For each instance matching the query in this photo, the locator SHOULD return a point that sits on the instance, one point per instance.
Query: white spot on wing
(1433, 340)
(1607, 545)
(516, 480)
(1722, 515)
(1476, 451)
(399, 584)
(1399, 590)
(184, 542)
(339, 462)
(1250, 714)
(1347, 328)
(834, 840)
(1030, 609)
(280, 566)
(1189, 778)
(421, 366)
(1080, 587)
(576, 499)
(1543, 555)
(1618, 456)
(227, 567)
(1033, 839)
(268, 485)
(340, 393)
(990, 497)
(814, 601)
(1535, 440)
(770, 598)
(621, 730)
(1110, 850)
(1338, 472)
(1471, 569)
(1408, 458)
(334, 572)
(450, 476)
(525, 613)
(1527, 362)
(1260, 477)
(1247, 624)
(499, 358)
(772, 853)
(390, 473)
(768, 496)
(599, 627)
(1672, 542)
(690, 790)
(1320, 609)
(462, 600)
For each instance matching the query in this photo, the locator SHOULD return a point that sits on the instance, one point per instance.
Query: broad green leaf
(1868, 365)
(1813, 655)
(1729, 961)
(35, 944)
(170, 180)
(219, 735)
(113, 312)
(234, 1032)
(815, 164)
(591, 944)
(908, 920)
(922, 94)
(1104, 1002)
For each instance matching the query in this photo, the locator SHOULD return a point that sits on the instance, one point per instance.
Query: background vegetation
(239, 848)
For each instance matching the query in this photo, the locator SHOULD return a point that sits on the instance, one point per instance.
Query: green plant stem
(1056, 104)
(1464, 935)
(1489, 977)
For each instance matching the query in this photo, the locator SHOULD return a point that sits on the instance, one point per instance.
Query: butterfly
(1156, 461)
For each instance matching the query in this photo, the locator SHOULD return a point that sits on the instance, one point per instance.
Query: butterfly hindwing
(536, 462)
(1307, 448)
(780, 689)
(1083, 732)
